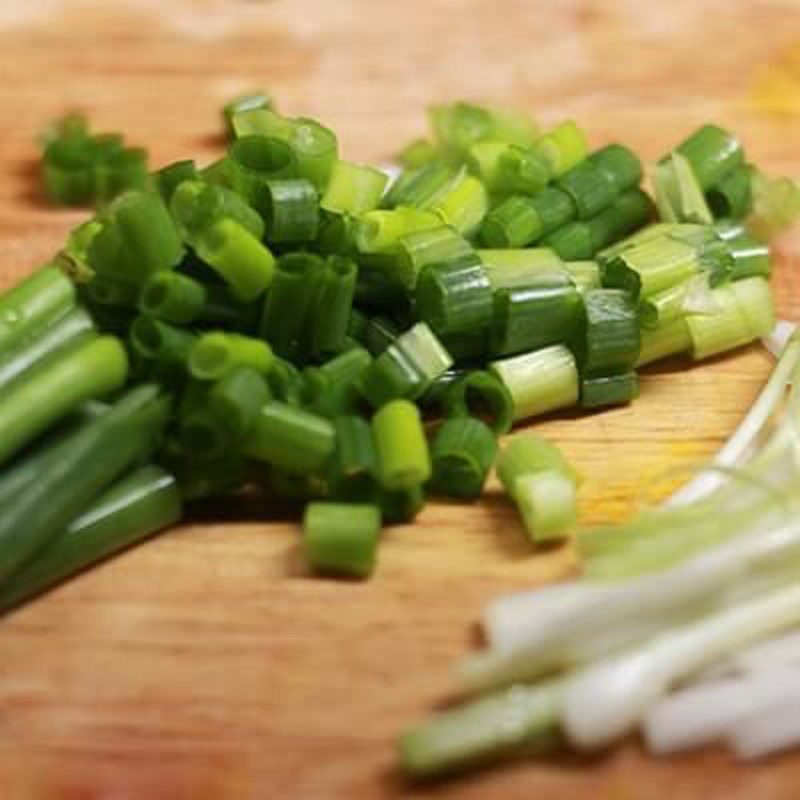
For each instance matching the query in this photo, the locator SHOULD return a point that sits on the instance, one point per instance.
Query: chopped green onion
(204, 436)
(712, 153)
(454, 298)
(732, 196)
(68, 168)
(290, 438)
(341, 539)
(402, 505)
(562, 148)
(421, 188)
(464, 205)
(612, 332)
(508, 268)
(106, 291)
(418, 153)
(286, 382)
(669, 339)
(216, 354)
(479, 394)
(462, 453)
(254, 160)
(53, 389)
(520, 221)
(353, 188)
(380, 231)
(238, 397)
(528, 454)
(572, 242)
(316, 150)
(630, 211)
(620, 164)
(291, 210)
(333, 389)
(430, 247)
(118, 172)
(541, 381)
(750, 257)
(353, 470)
(547, 310)
(172, 297)
(407, 367)
(262, 122)
(521, 170)
(245, 264)
(242, 103)
(334, 302)
(164, 344)
(403, 457)
(379, 334)
(679, 195)
(609, 390)
(585, 274)
(590, 186)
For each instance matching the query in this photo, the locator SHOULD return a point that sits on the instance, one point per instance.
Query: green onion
(380, 231)
(464, 205)
(53, 389)
(242, 103)
(732, 196)
(430, 247)
(520, 221)
(572, 242)
(484, 161)
(334, 302)
(164, 344)
(132, 509)
(241, 259)
(562, 148)
(620, 165)
(212, 478)
(751, 257)
(585, 274)
(630, 211)
(541, 381)
(353, 188)
(612, 332)
(216, 354)
(204, 436)
(105, 291)
(590, 187)
(521, 170)
(262, 122)
(403, 458)
(53, 486)
(334, 388)
(462, 453)
(341, 539)
(316, 150)
(668, 339)
(353, 469)
(33, 305)
(68, 167)
(547, 310)
(418, 153)
(172, 297)
(71, 330)
(380, 333)
(286, 382)
(73, 259)
(118, 172)
(290, 438)
(479, 394)
(403, 505)
(238, 397)
(609, 390)
(406, 368)
(712, 153)
(679, 195)
(454, 298)
(291, 210)
(509, 268)
(254, 160)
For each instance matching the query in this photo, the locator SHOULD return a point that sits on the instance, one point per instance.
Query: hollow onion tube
(479, 394)
(173, 297)
(732, 196)
(33, 305)
(216, 354)
(421, 188)
(254, 160)
(334, 302)
(403, 457)
(590, 188)
(464, 205)
(353, 188)
(520, 221)
(166, 345)
(169, 178)
(506, 268)
(562, 148)
(712, 152)
(380, 231)
(612, 333)
(237, 398)
(462, 453)
(353, 469)
(132, 509)
(430, 247)
(46, 394)
(242, 103)
(291, 210)
(609, 390)
(541, 381)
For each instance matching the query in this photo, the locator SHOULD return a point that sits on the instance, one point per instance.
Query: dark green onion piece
(611, 390)
(57, 387)
(403, 456)
(223, 310)
(169, 178)
(402, 505)
(612, 333)
(64, 334)
(621, 166)
(341, 539)
(629, 212)
(334, 302)
(435, 393)
(290, 303)
(520, 221)
(291, 438)
(256, 159)
(479, 394)
(172, 297)
(68, 167)
(120, 171)
(732, 196)
(286, 383)
(205, 436)
(454, 298)
(379, 334)
(33, 305)
(435, 246)
(162, 343)
(291, 210)
(104, 290)
(215, 354)
(353, 469)
(242, 260)
(333, 389)
(135, 507)
(589, 186)
(212, 478)
(712, 153)
(547, 310)
(462, 453)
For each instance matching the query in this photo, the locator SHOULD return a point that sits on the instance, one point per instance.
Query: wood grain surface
(207, 665)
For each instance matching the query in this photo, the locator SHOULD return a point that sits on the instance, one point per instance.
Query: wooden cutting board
(207, 665)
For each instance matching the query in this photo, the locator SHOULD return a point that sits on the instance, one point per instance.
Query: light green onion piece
(403, 456)
(216, 354)
(353, 189)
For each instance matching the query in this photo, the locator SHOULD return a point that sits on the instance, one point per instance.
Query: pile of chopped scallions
(286, 322)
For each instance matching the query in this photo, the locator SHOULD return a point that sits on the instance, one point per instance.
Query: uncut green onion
(541, 381)
(353, 469)
(431, 247)
(381, 230)
(169, 178)
(402, 505)
(31, 306)
(353, 188)
(477, 394)
(254, 160)
(732, 196)
(71, 330)
(562, 148)
(196, 206)
(712, 153)
(291, 210)
(669, 339)
(173, 297)
(132, 509)
(341, 539)
(159, 342)
(462, 453)
(403, 457)
(245, 102)
(334, 302)
(464, 205)
(407, 367)
(216, 354)
(589, 186)
(53, 486)
(612, 332)
(290, 438)
(609, 390)
(454, 298)
(242, 260)
(290, 302)
(57, 387)
(547, 310)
